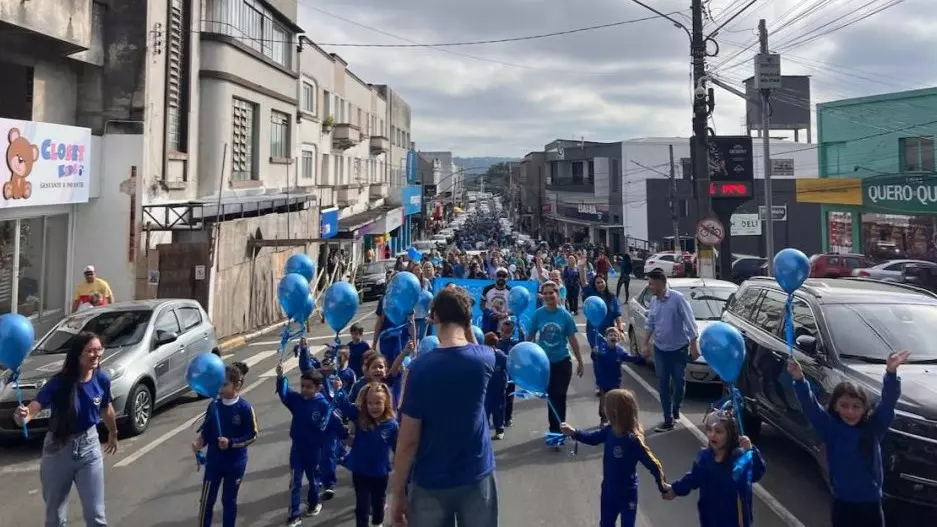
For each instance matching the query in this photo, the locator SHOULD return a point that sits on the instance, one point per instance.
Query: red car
(837, 265)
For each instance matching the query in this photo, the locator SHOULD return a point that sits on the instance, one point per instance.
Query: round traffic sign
(710, 231)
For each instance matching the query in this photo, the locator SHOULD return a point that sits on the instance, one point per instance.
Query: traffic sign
(768, 71)
(710, 231)
(778, 212)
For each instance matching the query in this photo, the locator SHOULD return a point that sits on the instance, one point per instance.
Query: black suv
(844, 329)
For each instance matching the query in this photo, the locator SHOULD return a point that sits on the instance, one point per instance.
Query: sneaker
(328, 494)
(294, 522)
(666, 426)
(676, 415)
(313, 510)
(509, 423)
(499, 435)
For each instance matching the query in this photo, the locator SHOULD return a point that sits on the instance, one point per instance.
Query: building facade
(878, 186)
(533, 169)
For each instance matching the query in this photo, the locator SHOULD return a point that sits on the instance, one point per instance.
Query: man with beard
(494, 302)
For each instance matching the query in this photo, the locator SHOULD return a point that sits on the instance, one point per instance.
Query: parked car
(371, 279)
(148, 345)
(745, 267)
(890, 271)
(671, 264)
(707, 298)
(837, 265)
(844, 330)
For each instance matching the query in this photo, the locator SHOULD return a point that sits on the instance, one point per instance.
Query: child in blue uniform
(307, 361)
(226, 460)
(497, 386)
(608, 359)
(343, 368)
(369, 460)
(624, 449)
(505, 343)
(357, 348)
(312, 423)
(725, 497)
(852, 429)
(334, 449)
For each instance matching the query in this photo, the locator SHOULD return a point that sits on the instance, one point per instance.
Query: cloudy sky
(608, 84)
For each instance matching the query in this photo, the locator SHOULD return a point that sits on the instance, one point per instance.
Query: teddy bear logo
(21, 155)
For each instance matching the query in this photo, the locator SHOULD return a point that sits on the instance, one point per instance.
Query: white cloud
(607, 84)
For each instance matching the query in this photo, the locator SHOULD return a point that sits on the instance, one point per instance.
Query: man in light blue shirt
(670, 322)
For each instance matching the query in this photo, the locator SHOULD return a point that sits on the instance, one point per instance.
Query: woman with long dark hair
(79, 397)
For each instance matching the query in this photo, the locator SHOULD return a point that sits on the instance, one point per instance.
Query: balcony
(347, 195)
(378, 191)
(345, 136)
(379, 145)
(67, 25)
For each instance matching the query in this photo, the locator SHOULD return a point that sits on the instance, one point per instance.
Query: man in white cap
(92, 286)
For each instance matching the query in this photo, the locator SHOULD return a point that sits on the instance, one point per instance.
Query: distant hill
(478, 165)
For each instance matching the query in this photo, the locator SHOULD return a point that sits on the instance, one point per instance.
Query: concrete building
(878, 185)
(532, 173)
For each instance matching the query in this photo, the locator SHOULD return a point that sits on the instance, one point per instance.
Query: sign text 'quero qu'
(910, 194)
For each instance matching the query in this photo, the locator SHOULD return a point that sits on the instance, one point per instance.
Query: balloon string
(736, 402)
(19, 402)
(552, 409)
(214, 408)
(789, 325)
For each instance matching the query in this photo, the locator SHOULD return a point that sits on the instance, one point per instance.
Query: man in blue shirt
(671, 324)
(444, 441)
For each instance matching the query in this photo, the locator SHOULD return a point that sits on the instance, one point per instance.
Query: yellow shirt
(85, 289)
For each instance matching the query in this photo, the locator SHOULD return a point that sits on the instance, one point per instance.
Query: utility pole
(765, 132)
(701, 106)
(673, 204)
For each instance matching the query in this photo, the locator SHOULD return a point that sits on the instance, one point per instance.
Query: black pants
(623, 281)
(560, 374)
(509, 402)
(370, 496)
(572, 299)
(849, 514)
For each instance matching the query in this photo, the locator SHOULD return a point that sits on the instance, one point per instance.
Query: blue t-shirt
(370, 449)
(356, 351)
(90, 398)
(553, 330)
(446, 392)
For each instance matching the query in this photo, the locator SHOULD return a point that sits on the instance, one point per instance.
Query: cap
(89, 269)
(501, 270)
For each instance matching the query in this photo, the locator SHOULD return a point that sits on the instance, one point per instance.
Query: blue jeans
(77, 461)
(671, 374)
(474, 505)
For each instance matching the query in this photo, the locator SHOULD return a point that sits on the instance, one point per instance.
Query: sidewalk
(236, 341)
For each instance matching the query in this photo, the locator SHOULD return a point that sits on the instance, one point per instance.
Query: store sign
(45, 164)
(901, 194)
(586, 212)
(782, 167)
(328, 223)
(746, 225)
(413, 165)
(412, 200)
(429, 191)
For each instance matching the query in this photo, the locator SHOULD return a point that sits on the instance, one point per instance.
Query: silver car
(707, 298)
(890, 271)
(148, 345)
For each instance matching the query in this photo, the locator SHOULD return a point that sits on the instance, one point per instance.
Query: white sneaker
(313, 511)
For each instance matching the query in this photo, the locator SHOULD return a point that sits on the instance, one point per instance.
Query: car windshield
(114, 328)
(707, 302)
(873, 331)
(376, 268)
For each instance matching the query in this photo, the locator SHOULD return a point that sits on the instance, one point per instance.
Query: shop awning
(597, 225)
(350, 224)
(196, 214)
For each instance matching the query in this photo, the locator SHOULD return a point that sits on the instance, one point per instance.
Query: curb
(239, 340)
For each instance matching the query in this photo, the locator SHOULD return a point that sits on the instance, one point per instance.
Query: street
(152, 481)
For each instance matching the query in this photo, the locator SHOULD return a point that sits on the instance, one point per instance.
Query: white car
(671, 264)
(707, 298)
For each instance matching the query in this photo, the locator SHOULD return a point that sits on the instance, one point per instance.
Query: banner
(412, 200)
(45, 164)
(475, 288)
(328, 222)
(412, 168)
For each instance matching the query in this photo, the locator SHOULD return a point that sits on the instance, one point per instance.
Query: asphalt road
(152, 480)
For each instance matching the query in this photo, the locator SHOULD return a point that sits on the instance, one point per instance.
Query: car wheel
(139, 410)
(752, 425)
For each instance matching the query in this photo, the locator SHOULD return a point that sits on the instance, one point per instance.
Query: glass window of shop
(891, 236)
(839, 232)
(33, 268)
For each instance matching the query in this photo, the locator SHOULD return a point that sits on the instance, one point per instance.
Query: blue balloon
(16, 340)
(724, 350)
(205, 374)
(595, 310)
(406, 362)
(301, 265)
(401, 297)
(437, 261)
(414, 254)
(340, 305)
(422, 305)
(293, 292)
(529, 367)
(429, 343)
(479, 334)
(308, 307)
(791, 269)
(518, 300)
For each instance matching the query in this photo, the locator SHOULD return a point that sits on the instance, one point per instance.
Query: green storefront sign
(900, 193)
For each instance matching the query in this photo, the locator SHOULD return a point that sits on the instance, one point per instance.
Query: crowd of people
(415, 428)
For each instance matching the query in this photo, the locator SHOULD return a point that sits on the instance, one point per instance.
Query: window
(917, 154)
(309, 164)
(591, 172)
(742, 304)
(279, 135)
(37, 268)
(189, 317)
(309, 97)
(327, 101)
(166, 322)
(360, 123)
(244, 128)
(340, 108)
(252, 24)
(804, 321)
(577, 172)
(339, 170)
(834, 158)
(326, 179)
(615, 175)
(771, 312)
(177, 78)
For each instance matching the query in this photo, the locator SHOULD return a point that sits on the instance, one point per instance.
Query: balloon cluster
(16, 341)
(293, 292)
(529, 368)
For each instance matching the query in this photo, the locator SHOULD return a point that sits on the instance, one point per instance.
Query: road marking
(287, 366)
(227, 356)
(33, 491)
(318, 337)
(21, 468)
(149, 447)
(785, 515)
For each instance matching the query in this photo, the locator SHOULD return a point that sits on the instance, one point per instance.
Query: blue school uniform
(392, 339)
(334, 449)
(356, 351)
(619, 473)
(497, 387)
(312, 423)
(607, 362)
(224, 469)
(722, 500)
(370, 466)
(505, 345)
(307, 361)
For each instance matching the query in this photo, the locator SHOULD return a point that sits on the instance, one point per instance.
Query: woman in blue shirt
(79, 398)
(554, 329)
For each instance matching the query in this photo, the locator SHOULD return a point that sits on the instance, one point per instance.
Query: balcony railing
(345, 136)
(379, 144)
(66, 24)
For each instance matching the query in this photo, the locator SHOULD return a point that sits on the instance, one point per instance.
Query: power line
(499, 40)
(802, 41)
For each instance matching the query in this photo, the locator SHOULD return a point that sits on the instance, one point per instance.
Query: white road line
(316, 338)
(21, 468)
(227, 356)
(785, 515)
(149, 447)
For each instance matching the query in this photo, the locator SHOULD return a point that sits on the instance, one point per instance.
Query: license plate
(44, 414)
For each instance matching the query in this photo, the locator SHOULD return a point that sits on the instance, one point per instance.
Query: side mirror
(807, 344)
(165, 337)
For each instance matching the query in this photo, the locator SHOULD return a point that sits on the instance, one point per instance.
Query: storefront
(412, 200)
(48, 174)
(385, 233)
(884, 216)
